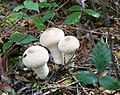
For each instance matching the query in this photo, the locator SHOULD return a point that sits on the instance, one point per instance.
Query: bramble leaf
(92, 13)
(18, 8)
(37, 20)
(7, 46)
(31, 6)
(75, 8)
(109, 83)
(41, 27)
(48, 16)
(101, 56)
(86, 77)
(73, 18)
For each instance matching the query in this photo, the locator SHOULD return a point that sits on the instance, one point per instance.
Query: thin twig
(110, 41)
(1, 68)
(91, 31)
(61, 87)
(24, 88)
(62, 5)
(85, 92)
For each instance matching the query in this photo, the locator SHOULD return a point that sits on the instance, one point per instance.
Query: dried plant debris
(89, 65)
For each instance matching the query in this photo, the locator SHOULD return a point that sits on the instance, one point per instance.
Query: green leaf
(51, 10)
(18, 8)
(48, 16)
(14, 36)
(13, 91)
(44, 4)
(41, 27)
(73, 18)
(68, 81)
(86, 77)
(37, 20)
(31, 6)
(34, 85)
(92, 13)
(25, 39)
(75, 8)
(1, 41)
(2, 17)
(109, 83)
(7, 46)
(101, 56)
(19, 15)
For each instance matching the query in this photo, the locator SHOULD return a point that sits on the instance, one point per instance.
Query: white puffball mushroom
(36, 57)
(68, 46)
(50, 39)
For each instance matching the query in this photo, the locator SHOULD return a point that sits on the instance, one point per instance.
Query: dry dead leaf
(90, 44)
(119, 55)
(83, 47)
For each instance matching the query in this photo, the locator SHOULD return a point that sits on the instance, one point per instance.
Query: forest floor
(17, 79)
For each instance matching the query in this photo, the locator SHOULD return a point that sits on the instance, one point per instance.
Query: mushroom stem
(56, 54)
(42, 71)
(69, 58)
(68, 46)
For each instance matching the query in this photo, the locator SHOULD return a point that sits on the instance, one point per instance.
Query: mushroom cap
(68, 44)
(35, 56)
(51, 36)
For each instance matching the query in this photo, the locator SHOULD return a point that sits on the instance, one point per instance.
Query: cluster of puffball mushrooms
(61, 47)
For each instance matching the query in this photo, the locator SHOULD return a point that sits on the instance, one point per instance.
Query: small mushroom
(68, 46)
(36, 57)
(50, 39)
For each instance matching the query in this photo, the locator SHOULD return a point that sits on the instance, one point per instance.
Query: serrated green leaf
(44, 4)
(41, 27)
(7, 46)
(14, 36)
(31, 6)
(19, 15)
(25, 39)
(37, 20)
(109, 83)
(101, 56)
(18, 8)
(86, 77)
(92, 13)
(73, 18)
(48, 16)
(75, 8)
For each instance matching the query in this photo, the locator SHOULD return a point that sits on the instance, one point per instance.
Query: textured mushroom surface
(50, 39)
(51, 36)
(35, 56)
(68, 44)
